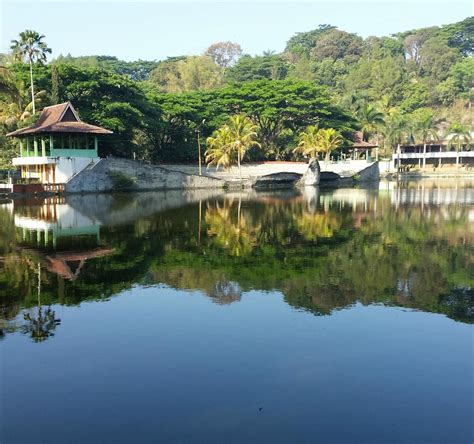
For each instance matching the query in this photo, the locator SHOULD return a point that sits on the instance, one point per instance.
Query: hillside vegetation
(395, 89)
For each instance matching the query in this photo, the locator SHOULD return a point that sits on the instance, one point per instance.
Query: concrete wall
(145, 177)
(68, 167)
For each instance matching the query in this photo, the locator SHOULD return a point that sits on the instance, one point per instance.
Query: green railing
(67, 152)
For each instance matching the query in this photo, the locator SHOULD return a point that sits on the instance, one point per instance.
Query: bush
(121, 181)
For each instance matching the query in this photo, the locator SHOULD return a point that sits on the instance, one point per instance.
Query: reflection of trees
(40, 326)
(225, 292)
(232, 230)
(321, 259)
(313, 226)
(40, 322)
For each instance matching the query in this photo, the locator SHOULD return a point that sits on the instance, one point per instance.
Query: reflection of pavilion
(68, 265)
(44, 223)
(48, 220)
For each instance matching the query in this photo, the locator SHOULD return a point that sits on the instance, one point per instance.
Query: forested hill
(422, 67)
(390, 87)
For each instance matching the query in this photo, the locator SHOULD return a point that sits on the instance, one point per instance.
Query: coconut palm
(20, 110)
(329, 140)
(32, 49)
(309, 142)
(394, 129)
(7, 83)
(314, 141)
(232, 140)
(371, 119)
(424, 130)
(459, 135)
(219, 152)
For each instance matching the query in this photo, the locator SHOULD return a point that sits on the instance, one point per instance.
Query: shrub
(121, 181)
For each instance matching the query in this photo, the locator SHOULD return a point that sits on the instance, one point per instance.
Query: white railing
(434, 155)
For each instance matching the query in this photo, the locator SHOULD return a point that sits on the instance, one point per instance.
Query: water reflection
(402, 244)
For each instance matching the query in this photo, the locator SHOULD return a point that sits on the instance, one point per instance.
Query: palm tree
(7, 83)
(394, 130)
(329, 140)
(459, 136)
(20, 109)
(371, 119)
(234, 139)
(313, 141)
(30, 47)
(309, 142)
(425, 129)
(220, 151)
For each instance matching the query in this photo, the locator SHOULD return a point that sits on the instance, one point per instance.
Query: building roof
(61, 118)
(360, 143)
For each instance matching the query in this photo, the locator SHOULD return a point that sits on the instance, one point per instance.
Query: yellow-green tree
(314, 141)
(231, 142)
(220, 152)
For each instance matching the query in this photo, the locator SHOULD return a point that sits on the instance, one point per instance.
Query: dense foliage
(386, 86)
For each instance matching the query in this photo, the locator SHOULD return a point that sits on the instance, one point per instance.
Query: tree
(54, 85)
(281, 108)
(196, 73)
(30, 47)
(314, 141)
(303, 42)
(335, 44)
(436, 59)
(394, 129)
(371, 119)
(225, 54)
(425, 127)
(237, 136)
(7, 84)
(137, 70)
(248, 68)
(220, 152)
(308, 144)
(329, 140)
(109, 100)
(459, 135)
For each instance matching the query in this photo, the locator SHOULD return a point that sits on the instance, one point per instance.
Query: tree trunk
(32, 87)
(326, 157)
(238, 162)
(424, 155)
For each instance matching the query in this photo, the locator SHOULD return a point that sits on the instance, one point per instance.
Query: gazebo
(361, 149)
(58, 146)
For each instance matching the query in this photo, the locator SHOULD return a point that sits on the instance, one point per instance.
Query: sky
(154, 29)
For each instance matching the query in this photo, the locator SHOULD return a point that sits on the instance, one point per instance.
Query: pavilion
(360, 149)
(58, 146)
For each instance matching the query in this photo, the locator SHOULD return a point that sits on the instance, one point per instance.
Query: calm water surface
(332, 316)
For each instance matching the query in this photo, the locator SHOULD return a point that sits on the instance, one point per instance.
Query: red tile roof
(61, 118)
(360, 143)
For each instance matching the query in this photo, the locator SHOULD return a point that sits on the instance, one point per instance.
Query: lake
(333, 316)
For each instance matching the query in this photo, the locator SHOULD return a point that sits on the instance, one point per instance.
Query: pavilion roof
(61, 118)
(360, 143)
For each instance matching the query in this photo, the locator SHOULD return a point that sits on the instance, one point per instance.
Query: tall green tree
(31, 48)
(371, 119)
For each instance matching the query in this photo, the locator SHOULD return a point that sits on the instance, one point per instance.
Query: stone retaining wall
(144, 177)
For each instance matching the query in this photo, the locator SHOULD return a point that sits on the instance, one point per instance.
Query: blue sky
(153, 30)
